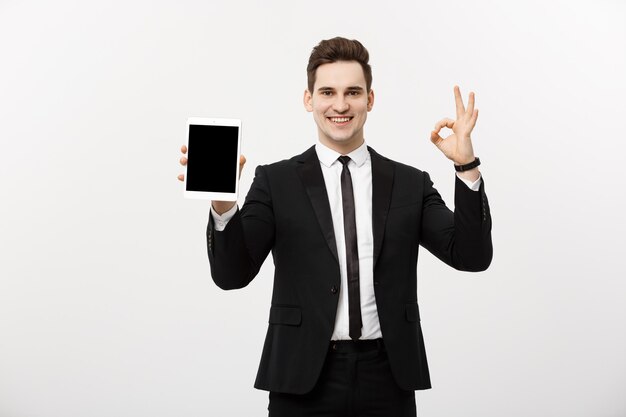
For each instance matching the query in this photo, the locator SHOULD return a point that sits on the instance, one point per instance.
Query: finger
(447, 122)
(470, 104)
(474, 118)
(183, 160)
(460, 109)
(181, 177)
(183, 149)
(242, 162)
(435, 138)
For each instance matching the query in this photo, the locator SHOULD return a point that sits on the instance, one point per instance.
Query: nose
(340, 105)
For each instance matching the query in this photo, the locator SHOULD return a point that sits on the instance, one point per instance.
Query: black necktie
(352, 252)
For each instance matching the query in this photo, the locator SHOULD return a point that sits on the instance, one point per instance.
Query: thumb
(242, 162)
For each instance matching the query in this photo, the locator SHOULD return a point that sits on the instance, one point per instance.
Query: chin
(345, 138)
(342, 141)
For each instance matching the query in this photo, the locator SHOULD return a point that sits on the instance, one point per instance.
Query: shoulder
(398, 167)
(290, 163)
(286, 168)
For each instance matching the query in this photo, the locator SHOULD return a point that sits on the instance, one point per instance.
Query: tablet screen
(212, 155)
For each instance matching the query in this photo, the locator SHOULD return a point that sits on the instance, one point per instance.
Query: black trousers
(356, 381)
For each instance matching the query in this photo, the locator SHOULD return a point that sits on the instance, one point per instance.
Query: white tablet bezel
(210, 195)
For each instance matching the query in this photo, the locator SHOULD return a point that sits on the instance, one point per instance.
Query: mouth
(340, 121)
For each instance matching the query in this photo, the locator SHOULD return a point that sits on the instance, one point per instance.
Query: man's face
(339, 103)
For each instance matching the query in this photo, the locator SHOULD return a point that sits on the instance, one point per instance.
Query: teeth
(339, 119)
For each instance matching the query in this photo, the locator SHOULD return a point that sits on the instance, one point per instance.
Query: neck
(342, 148)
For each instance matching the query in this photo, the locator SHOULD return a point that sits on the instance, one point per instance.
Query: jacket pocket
(412, 312)
(291, 316)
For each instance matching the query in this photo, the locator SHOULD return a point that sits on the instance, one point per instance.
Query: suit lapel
(382, 182)
(311, 174)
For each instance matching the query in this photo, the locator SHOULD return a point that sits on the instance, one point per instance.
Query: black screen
(212, 158)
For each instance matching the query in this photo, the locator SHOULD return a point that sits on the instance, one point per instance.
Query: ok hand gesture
(458, 146)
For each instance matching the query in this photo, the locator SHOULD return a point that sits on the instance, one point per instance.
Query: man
(344, 224)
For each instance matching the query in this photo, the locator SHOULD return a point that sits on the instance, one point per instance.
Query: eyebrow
(353, 88)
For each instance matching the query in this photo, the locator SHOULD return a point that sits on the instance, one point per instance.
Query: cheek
(318, 117)
(320, 107)
(321, 113)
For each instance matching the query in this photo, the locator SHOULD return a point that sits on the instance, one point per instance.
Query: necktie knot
(344, 159)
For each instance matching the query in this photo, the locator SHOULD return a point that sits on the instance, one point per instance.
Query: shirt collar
(328, 156)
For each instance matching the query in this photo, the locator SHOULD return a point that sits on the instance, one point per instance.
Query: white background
(107, 307)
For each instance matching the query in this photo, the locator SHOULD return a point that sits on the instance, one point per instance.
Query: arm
(461, 239)
(236, 256)
(237, 253)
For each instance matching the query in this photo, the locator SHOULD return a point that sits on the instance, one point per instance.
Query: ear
(308, 100)
(370, 100)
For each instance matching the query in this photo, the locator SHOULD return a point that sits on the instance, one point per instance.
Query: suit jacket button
(333, 289)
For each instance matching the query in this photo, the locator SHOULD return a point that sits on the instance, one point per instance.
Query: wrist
(469, 175)
(221, 207)
(466, 166)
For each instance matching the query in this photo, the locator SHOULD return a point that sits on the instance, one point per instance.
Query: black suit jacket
(287, 212)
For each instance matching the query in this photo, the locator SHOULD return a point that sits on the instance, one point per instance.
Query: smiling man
(339, 100)
(344, 225)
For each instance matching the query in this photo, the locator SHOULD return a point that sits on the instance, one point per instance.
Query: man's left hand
(458, 146)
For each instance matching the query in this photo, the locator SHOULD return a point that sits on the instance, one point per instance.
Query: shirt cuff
(474, 186)
(220, 221)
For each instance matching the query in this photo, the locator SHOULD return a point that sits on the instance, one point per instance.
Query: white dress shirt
(360, 167)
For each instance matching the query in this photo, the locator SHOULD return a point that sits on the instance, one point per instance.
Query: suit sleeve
(462, 239)
(237, 253)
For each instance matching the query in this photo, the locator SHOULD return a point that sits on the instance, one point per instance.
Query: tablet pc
(213, 147)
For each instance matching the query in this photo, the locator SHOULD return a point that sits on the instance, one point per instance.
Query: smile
(340, 120)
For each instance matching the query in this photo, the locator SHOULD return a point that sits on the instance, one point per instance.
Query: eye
(354, 93)
(326, 93)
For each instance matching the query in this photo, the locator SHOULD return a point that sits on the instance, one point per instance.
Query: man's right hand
(219, 207)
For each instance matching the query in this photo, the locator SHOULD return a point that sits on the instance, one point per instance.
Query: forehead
(341, 74)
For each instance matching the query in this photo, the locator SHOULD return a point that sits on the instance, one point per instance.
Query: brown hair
(338, 49)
